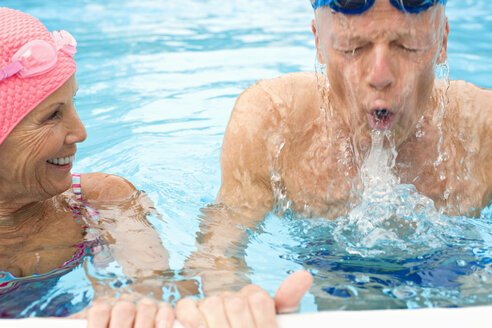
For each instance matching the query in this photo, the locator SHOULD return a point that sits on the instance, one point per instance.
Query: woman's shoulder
(101, 186)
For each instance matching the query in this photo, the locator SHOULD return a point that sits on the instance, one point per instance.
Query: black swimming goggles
(354, 7)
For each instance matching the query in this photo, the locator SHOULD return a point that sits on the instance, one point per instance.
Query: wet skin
(382, 60)
(295, 138)
(27, 181)
(52, 130)
(37, 229)
(380, 72)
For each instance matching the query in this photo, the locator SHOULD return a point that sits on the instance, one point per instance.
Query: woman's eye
(54, 115)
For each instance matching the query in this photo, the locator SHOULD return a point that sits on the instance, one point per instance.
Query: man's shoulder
(101, 186)
(285, 97)
(267, 112)
(294, 80)
(468, 93)
(284, 86)
(472, 103)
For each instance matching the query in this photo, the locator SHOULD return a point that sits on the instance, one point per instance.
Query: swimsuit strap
(77, 190)
(94, 245)
(79, 204)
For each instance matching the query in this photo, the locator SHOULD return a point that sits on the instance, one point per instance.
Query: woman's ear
(443, 55)
(319, 53)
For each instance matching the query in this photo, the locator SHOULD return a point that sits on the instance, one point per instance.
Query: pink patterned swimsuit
(94, 243)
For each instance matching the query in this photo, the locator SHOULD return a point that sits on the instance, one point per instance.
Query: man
(380, 69)
(302, 138)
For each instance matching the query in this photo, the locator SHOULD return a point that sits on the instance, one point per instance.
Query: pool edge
(475, 316)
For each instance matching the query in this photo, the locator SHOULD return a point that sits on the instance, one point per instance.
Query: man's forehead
(380, 21)
(383, 10)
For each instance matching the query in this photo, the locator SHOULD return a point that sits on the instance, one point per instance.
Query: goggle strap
(10, 70)
(65, 42)
(69, 50)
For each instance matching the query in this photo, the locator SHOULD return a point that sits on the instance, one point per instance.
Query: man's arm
(483, 99)
(265, 116)
(244, 197)
(474, 118)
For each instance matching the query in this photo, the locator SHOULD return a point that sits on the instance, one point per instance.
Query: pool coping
(476, 317)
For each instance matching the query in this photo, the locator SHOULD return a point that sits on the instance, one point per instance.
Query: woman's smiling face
(36, 158)
(380, 64)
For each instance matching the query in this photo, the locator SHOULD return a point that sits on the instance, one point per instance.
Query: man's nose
(380, 74)
(76, 130)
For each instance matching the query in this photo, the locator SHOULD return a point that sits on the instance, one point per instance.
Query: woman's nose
(380, 74)
(76, 130)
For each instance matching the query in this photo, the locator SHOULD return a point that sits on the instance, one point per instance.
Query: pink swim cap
(19, 96)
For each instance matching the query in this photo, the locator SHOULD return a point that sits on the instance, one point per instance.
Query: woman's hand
(147, 313)
(250, 307)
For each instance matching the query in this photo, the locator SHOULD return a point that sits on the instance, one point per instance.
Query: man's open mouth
(381, 119)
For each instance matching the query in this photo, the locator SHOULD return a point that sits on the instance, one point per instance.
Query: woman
(48, 215)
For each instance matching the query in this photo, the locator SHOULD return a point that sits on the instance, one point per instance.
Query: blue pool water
(157, 82)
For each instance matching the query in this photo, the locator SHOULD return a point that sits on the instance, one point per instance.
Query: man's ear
(319, 53)
(443, 55)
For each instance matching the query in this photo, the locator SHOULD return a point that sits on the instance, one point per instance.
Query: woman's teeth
(61, 161)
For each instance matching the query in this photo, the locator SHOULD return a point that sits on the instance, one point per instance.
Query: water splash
(392, 250)
(392, 219)
(442, 75)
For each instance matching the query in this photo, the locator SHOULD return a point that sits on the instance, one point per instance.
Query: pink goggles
(38, 56)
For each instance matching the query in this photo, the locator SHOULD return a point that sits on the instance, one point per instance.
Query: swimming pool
(157, 84)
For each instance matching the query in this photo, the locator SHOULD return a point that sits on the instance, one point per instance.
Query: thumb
(291, 291)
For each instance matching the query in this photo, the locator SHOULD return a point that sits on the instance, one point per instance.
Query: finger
(261, 306)
(188, 314)
(98, 315)
(289, 294)
(227, 293)
(212, 309)
(130, 297)
(146, 312)
(238, 312)
(165, 316)
(123, 315)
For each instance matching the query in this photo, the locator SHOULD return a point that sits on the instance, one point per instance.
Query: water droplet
(403, 292)
(362, 278)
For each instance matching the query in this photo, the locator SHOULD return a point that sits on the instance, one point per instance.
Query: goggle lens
(354, 7)
(36, 57)
(350, 4)
(413, 6)
(348, 7)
